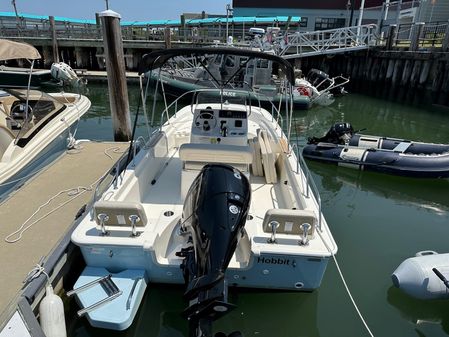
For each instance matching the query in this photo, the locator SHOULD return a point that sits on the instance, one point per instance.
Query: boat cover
(11, 50)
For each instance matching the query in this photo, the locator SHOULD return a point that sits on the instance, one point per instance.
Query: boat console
(220, 126)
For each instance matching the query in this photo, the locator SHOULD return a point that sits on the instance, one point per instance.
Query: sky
(130, 10)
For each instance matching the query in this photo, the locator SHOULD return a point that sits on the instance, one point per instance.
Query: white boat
(216, 197)
(35, 127)
(320, 87)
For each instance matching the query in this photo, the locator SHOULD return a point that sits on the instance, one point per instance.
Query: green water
(377, 221)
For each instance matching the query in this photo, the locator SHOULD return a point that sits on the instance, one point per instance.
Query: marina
(370, 247)
(133, 211)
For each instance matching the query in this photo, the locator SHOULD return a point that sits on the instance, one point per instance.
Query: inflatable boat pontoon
(344, 147)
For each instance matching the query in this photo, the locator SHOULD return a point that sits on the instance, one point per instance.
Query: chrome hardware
(274, 225)
(134, 220)
(108, 285)
(103, 218)
(305, 230)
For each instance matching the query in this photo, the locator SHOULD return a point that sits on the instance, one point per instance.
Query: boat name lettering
(229, 93)
(274, 260)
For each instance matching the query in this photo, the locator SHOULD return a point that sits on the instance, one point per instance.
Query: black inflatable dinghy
(344, 147)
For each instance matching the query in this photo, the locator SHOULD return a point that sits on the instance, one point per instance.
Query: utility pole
(352, 12)
(13, 3)
(228, 9)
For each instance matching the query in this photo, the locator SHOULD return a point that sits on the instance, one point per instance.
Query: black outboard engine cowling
(215, 212)
(339, 133)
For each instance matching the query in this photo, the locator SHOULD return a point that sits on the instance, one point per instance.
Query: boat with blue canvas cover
(217, 197)
(344, 147)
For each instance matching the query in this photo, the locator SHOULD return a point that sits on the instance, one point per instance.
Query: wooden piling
(115, 68)
(425, 72)
(54, 39)
(167, 37)
(416, 34)
(416, 71)
(383, 70)
(406, 73)
(391, 36)
(390, 70)
(397, 71)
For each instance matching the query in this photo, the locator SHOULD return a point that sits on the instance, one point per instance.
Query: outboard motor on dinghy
(214, 214)
(339, 133)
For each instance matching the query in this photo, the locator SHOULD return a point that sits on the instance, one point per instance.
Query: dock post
(391, 36)
(115, 68)
(167, 37)
(445, 45)
(54, 39)
(416, 34)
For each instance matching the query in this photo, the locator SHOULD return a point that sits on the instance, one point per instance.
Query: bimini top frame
(159, 58)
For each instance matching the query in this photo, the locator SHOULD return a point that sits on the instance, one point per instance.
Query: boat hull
(265, 270)
(18, 77)
(176, 88)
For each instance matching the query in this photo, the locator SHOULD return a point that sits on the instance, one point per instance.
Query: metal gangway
(331, 41)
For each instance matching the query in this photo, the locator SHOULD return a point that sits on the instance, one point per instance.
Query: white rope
(75, 192)
(114, 149)
(35, 273)
(346, 286)
(71, 192)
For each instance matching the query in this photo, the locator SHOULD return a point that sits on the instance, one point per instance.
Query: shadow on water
(430, 194)
(421, 313)
(160, 315)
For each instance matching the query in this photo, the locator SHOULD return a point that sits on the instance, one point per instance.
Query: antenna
(107, 4)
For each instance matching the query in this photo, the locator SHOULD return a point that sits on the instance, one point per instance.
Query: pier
(38, 215)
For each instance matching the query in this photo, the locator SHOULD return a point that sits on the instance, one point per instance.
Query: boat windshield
(24, 118)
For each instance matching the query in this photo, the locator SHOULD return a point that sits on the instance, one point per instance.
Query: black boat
(344, 147)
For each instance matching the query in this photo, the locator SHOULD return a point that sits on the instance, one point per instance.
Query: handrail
(302, 168)
(329, 41)
(257, 96)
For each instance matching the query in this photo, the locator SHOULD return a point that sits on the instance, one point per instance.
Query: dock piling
(54, 39)
(115, 68)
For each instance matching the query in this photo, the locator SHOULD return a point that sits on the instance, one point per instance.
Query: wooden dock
(54, 196)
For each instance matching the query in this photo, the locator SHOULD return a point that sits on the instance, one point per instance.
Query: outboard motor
(214, 214)
(339, 133)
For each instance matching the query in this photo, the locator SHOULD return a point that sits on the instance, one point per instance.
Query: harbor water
(377, 221)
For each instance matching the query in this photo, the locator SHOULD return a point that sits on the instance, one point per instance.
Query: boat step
(109, 300)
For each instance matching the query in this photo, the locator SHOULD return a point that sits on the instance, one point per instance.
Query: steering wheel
(18, 112)
(18, 115)
(210, 121)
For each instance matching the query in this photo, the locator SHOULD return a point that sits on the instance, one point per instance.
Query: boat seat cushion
(290, 221)
(215, 153)
(119, 213)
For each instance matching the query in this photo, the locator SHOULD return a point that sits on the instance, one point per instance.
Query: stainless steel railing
(307, 180)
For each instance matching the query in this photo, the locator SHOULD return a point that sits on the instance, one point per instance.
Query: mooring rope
(346, 286)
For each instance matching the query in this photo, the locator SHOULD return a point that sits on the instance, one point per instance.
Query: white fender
(51, 312)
